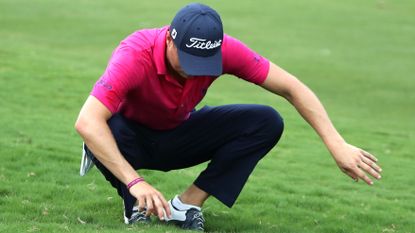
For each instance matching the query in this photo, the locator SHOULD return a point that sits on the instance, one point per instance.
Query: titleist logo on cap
(199, 43)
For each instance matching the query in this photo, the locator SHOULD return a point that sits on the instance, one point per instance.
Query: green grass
(358, 56)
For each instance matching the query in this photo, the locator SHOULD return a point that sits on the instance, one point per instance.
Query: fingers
(369, 155)
(370, 170)
(368, 164)
(352, 175)
(166, 206)
(159, 207)
(363, 175)
(358, 173)
(150, 206)
(372, 164)
(141, 203)
(358, 163)
(155, 204)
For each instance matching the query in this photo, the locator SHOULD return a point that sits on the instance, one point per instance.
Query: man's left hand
(357, 163)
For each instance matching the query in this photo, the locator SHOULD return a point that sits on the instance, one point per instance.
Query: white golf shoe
(86, 161)
(189, 219)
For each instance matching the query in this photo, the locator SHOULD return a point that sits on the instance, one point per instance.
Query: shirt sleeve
(241, 61)
(122, 74)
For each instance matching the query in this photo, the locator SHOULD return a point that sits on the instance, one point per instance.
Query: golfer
(141, 115)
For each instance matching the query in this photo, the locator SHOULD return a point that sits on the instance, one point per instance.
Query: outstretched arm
(353, 161)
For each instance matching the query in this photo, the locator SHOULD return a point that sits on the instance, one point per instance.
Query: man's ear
(169, 40)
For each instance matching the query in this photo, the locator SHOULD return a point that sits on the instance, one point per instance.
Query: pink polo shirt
(136, 82)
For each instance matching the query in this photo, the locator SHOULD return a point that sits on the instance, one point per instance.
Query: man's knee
(271, 122)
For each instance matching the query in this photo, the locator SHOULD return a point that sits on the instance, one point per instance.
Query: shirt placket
(180, 99)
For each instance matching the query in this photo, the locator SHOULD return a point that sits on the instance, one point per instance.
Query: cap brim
(201, 66)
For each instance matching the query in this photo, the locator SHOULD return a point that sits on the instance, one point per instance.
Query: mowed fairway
(358, 56)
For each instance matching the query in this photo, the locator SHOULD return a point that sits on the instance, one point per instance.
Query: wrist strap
(134, 182)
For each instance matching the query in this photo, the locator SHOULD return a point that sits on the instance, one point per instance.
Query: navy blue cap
(197, 32)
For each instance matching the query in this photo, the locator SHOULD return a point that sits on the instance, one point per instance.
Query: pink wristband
(134, 182)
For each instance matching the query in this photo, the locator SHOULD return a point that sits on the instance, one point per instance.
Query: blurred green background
(358, 56)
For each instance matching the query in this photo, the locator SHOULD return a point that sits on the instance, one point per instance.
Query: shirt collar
(159, 51)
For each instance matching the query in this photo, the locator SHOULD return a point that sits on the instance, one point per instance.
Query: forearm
(305, 101)
(311, 109)
(101, 142)
(93, 127)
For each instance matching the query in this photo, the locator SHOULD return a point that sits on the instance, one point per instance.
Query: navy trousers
(232, 137)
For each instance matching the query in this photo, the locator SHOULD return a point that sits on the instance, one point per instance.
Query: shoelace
(138, 215)
(200, 220)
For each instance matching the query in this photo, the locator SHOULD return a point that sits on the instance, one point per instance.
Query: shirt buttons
(181, 105)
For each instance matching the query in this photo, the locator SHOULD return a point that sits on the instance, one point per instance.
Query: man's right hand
(151, 199)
